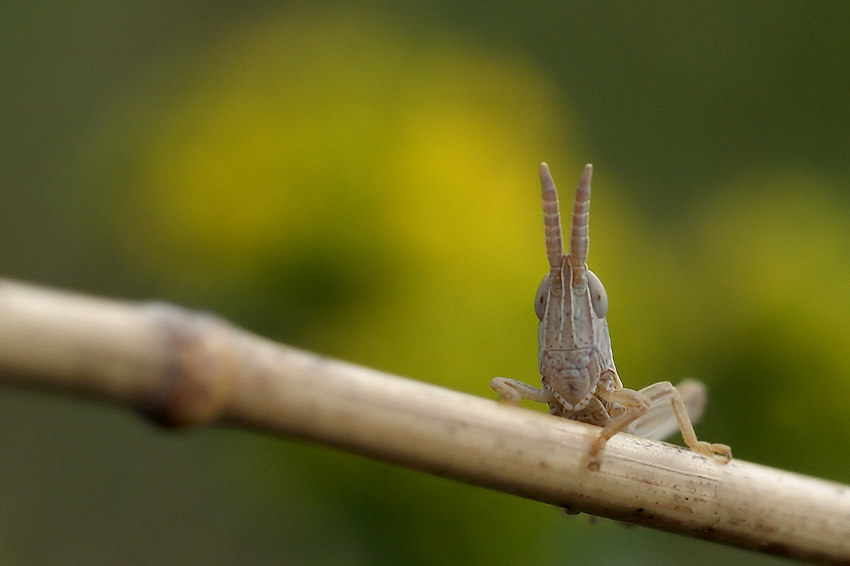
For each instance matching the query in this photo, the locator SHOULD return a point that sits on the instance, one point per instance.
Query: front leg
(634, 403)
(511, 391)
(637, 403)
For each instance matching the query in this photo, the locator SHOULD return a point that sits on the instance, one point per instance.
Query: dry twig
(185, 368)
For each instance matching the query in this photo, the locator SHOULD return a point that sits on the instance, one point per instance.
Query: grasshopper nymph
(577, 373)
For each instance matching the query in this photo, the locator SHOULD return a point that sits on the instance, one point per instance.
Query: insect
(577, 373)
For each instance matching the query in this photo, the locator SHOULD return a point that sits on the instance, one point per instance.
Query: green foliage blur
(360, 179)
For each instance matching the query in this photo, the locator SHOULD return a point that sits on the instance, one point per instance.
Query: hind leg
(659, 421)
(665, 390)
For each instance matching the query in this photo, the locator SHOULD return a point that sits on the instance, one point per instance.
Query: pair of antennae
(578, 227)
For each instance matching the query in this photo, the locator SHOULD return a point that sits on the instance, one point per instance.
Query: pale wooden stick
(185, 368)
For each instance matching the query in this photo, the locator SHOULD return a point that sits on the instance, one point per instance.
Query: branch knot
(200, 363)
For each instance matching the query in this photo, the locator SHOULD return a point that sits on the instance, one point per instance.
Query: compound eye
(598, 297)
(541, 298)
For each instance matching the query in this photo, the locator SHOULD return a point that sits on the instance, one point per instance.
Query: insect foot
(578, 378)
(720, 452)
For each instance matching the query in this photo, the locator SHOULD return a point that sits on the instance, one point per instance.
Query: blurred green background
(360, 179)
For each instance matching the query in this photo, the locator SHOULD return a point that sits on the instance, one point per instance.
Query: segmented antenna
(578, 229)
(551, 219)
